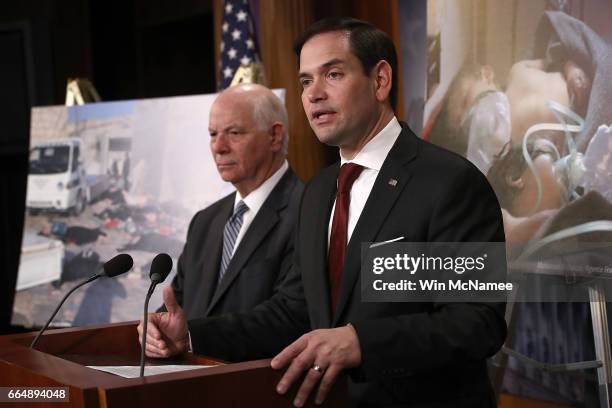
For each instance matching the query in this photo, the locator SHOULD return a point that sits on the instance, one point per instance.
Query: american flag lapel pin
(392, 182)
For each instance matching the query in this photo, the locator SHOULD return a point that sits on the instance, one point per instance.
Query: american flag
(238, 45)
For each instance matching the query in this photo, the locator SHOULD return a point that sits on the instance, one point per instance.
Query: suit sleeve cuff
(371, 366)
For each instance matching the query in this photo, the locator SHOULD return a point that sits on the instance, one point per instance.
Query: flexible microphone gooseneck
(116, 266)
(160, 268)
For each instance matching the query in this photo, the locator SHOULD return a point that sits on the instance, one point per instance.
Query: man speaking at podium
(388, 184)
(239, 249)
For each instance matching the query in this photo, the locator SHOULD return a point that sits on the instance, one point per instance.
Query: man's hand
(166, 332)
(329, 350)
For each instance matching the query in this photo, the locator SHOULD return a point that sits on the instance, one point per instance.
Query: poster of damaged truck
(108, 178)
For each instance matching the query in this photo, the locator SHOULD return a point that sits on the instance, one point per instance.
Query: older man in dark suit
(389, 184)
(239, 249)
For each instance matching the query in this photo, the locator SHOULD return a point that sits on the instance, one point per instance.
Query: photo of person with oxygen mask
(542, 140)
(531, 107)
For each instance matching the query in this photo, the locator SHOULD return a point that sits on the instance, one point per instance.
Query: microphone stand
(144, 327)
(40, 332)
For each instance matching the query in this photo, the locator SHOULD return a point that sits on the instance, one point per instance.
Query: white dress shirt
(371, 157)
(255, 199)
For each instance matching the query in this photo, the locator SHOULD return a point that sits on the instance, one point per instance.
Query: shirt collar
(255, 199)
(374, 153)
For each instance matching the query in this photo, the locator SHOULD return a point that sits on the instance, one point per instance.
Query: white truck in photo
(57, 179)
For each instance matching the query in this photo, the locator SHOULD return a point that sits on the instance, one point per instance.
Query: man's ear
(383, 79)
(277, 134)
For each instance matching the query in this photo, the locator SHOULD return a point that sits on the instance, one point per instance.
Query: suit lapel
(317, 266)
(212, 249)
(265, 220)
(389, 184)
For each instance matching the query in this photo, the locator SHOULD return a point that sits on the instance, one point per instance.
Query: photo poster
(522, 89)
(108, 178)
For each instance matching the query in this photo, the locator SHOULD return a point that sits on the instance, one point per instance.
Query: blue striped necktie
(230, 233)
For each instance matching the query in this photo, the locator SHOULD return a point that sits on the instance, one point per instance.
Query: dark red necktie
(338, 238)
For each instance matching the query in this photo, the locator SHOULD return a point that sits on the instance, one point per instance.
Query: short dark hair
(509, 165)
(369, 44)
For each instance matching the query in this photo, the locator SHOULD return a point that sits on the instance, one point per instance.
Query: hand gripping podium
(62, 356)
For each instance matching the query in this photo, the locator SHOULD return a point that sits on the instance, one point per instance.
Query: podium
(62, 356)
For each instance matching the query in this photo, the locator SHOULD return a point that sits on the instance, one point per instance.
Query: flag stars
(241, 16)
(238, 46)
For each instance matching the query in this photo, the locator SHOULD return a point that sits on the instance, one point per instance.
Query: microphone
(160, 268)
(116, 266)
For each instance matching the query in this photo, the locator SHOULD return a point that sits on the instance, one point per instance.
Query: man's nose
(219, 144)
(316, 91)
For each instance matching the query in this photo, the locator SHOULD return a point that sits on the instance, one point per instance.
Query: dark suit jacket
(413, 354)
(259, 264)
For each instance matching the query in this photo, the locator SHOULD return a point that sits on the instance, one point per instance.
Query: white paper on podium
(134, 371)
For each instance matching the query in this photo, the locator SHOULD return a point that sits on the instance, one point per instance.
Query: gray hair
(269, 109)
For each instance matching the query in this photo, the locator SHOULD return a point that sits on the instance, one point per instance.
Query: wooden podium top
(61, 357)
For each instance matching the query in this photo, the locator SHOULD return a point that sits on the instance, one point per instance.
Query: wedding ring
(318, 368)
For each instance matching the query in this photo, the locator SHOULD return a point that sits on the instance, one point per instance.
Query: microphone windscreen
(160, 267)
(118, 265)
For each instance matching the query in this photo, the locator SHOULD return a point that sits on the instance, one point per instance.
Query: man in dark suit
(389, 185)
(227, 267)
